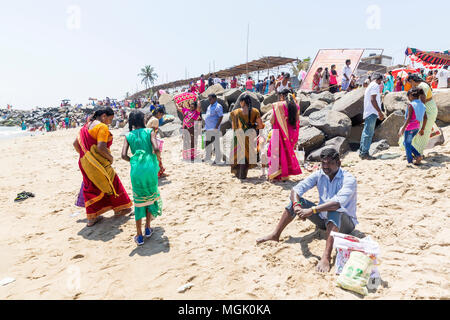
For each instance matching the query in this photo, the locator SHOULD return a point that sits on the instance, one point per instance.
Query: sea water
(14, 132)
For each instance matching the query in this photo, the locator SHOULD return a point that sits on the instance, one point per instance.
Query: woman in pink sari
(285, 124)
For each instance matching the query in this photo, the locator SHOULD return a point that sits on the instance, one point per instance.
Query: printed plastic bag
(346, 244)
(356, 273)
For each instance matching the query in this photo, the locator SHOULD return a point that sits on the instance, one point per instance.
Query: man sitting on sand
(337, 207)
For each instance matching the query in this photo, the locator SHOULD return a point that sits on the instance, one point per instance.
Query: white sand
(208, 229)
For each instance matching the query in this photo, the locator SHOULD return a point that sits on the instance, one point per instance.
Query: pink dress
(282, 159)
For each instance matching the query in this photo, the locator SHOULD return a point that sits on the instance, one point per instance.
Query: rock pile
(35, 117)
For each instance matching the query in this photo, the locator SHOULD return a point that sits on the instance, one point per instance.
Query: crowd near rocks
(326, 120)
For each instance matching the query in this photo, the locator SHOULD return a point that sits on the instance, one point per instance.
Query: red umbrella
(402, 72)
(183, 100)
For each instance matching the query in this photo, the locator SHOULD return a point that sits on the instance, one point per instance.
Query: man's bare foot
(123, 212)
(323, 266)
(268, 238)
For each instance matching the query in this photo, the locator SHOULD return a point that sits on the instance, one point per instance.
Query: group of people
(102, 190)
(420, 117)
(249, 146)
(266, 86)
(50, 124)
(325, 79)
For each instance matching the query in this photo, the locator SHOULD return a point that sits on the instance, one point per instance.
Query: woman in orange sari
(102, 189)
(285, 123)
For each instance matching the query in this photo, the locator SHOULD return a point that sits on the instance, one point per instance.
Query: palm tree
(148, 75)
(301, 65)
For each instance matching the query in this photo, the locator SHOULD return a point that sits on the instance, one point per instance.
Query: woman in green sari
(144, 173)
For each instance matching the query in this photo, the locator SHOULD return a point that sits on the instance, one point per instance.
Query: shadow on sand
(156, 244)
(104, 230)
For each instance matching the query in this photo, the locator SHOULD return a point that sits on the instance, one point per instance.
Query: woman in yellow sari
(244, 154)
(102, 189)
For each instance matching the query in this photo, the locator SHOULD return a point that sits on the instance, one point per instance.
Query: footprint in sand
(78, 256)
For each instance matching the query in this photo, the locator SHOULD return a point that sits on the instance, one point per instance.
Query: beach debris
(74, 214)
(6, 281)
(185, 287)
(23, 196)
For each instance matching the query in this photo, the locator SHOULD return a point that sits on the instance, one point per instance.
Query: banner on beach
(327, 57)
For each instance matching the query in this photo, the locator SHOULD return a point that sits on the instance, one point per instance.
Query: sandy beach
(208, 230)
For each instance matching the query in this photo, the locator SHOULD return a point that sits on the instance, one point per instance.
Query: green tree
(148, 76)
(300, 65)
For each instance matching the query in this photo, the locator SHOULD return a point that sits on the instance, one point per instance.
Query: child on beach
(414, 116)
(144, 173)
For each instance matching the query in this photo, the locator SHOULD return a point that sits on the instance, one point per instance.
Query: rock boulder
(232, 95)
(351, 104)
(388, 130)
(340, 144)
(394, 101)
(331, 122)
(310, 139)
(442, 98)
(314, 107)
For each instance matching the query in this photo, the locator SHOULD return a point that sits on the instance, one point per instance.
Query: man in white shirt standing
(217, 79)
(443, 76)
(372, 112)
(346, 75)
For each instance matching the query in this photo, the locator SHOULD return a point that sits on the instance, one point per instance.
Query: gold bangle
(314, 209)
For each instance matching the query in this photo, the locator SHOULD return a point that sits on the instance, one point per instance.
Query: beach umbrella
(402, 72)
(183, 100)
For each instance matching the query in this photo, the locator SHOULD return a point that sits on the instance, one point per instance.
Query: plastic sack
(346, 244)
(356, 273)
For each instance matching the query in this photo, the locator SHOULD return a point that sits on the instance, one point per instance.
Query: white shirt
(348, 71)
(442, 76)
(217, 80)
(372, 89)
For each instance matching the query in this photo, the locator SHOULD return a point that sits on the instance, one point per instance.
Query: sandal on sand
(148, 233)
(23, 196)
(139, 240)
(97, 220)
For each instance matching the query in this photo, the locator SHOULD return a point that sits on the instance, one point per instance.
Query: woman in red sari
(102, 189)
(285, 124)
(316, 80)
(191, 114)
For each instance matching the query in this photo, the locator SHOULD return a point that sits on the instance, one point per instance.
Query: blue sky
(44, 60)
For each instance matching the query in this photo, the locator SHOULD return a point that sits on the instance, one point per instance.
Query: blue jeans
(367, 134)
(410, 150)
